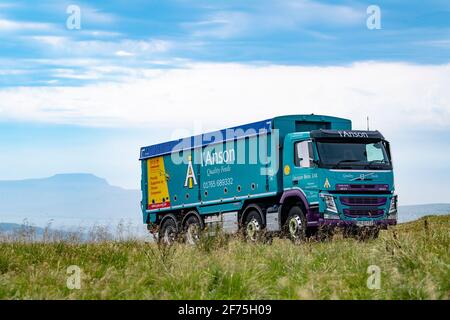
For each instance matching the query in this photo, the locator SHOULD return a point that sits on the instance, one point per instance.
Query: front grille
(363, 212)
(367, 187)
(363, 201)
(362, 188)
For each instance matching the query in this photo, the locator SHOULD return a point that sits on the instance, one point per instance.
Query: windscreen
(360, 154)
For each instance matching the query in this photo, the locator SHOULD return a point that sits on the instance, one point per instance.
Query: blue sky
(141, 72)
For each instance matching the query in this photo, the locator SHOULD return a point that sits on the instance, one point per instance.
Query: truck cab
(344, 178)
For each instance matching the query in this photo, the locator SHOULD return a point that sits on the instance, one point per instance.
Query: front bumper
(380, 223)
(359, 210)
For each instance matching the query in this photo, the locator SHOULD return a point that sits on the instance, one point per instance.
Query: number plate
(368, 223)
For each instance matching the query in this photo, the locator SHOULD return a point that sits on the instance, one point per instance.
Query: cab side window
(304, 154)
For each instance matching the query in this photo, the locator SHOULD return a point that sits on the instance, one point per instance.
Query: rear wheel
(296, 224)
(253, 226)
(168, 232)
(192, 228)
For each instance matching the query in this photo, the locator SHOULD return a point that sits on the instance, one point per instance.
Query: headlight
(393, 205)
(329, 202)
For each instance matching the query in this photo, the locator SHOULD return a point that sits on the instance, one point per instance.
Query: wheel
(253, 226)
(296, 224)
(192, 229)
(168, 232)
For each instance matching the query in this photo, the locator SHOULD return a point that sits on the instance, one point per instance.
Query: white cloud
(123, 53)
(54, 41)
(72, 74)
(13, 72)
(395, 96)
(329, 14)
(440, 43)
(68, 47)
(222, 25)
(7, 5)
(100, 33)
(277, 16)
(93, 15)
(11, 25)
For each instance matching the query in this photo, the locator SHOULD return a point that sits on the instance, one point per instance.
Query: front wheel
(296, 224)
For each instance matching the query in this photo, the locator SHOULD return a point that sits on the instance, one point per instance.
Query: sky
(82, 92)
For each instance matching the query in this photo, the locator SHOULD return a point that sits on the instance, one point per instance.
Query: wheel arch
(292, 198)
(191, 213)
(249, 208)
(170, 216)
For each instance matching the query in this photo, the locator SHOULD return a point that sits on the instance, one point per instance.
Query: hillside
(15, 228)
(412, 258)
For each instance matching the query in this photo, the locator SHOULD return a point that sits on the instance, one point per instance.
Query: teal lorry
(290, 175)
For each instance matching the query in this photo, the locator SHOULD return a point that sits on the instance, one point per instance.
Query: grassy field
(413, 258)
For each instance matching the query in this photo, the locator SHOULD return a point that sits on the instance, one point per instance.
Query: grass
(413, 258)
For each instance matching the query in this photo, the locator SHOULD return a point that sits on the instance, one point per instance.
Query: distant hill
(15, 227)
(74, 200)
(67, 199)
(27, 232)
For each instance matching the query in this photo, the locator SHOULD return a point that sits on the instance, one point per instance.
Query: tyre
(295, 225)
(168, 232)
(253, 226)
(192, 229)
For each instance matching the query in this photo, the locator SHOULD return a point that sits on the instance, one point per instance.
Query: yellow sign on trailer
(158, 192)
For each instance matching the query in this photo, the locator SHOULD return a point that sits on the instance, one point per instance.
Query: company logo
(367, 176)
(326, 185)
(190, 181)
(353, 134)
(220, 157)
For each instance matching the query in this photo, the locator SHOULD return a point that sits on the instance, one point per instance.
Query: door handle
(295, 182)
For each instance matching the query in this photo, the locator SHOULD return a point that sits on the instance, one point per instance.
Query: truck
(291, 176)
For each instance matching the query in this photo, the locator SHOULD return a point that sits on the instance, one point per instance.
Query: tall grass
(413, 258)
